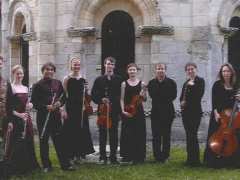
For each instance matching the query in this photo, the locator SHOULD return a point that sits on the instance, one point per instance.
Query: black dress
(22, 158)
(133, 134)
(78, 136)
(221, 99)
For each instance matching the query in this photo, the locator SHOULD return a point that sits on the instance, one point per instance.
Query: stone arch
(21, 31)
(20, 8)
(226, 12)
(144, 11)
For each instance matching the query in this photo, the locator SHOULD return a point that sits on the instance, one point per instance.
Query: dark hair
(161, 64)
(44, 66)
(1, 57)
(111, 59)
(132, 65)
(190, 64)
(233, 76)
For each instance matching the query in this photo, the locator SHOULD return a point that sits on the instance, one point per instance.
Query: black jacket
(103, 87)
(163, 94)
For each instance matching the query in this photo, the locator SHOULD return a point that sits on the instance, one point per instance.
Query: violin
(134, 104)
(224, 141)
(104, 118)
(87, 108)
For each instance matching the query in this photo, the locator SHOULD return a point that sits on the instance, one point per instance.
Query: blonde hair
(16, 67)
(72, 60)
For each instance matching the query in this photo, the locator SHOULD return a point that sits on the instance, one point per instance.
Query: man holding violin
(106, 93)
(163, 91)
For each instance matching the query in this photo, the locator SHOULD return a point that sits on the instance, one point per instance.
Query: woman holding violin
(223, 99)
(133, 134)
(106, 94)
(76, 126)
(191, 109)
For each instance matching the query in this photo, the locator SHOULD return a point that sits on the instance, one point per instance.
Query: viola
(224, 141)
(134, 104)
(87, 104)
(104, 118)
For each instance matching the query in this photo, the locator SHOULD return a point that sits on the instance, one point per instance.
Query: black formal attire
(221, 99)
(22, 157)
(162, 114)
(42, 94)
(133, 133)
(191, 116)
(74, 128)
(108, 88)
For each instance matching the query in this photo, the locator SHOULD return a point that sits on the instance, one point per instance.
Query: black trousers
(112, 135)
(191, 122)
(161, 133)
(53, 130)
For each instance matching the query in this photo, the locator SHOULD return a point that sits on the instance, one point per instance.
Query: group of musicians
(63, 110)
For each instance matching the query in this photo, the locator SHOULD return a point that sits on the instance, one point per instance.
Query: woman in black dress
(21, 155)
(133, 134)
(191, 96)
(223, 97)
(77, 133)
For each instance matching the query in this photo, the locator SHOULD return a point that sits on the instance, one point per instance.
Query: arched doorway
(118, 40)
(25, 57)
(234, 46)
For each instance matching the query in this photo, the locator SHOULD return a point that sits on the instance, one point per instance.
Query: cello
(224, 141)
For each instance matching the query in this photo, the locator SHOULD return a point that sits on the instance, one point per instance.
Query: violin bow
(83, 100)
(7, 144)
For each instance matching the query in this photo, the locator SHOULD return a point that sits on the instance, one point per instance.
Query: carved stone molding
(26, 37)
(152, 30)
(31, 36)
(228, 31)
(14, 38)
(81, 32)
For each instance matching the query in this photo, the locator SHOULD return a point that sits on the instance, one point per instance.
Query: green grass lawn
(174, 169)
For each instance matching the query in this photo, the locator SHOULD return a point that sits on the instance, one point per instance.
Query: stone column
(46, 32)
(5, 46)
(200, 45)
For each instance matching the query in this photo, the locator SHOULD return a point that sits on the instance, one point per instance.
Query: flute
(47, 118)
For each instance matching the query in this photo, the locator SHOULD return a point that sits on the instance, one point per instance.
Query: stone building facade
(144, 31)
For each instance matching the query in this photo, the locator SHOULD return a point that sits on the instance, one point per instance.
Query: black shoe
(192, 163)
(114, 161)
(126, 161)
(139, 161)
(68, 168)
(102, 160)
